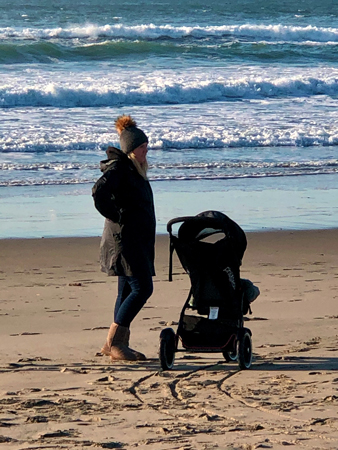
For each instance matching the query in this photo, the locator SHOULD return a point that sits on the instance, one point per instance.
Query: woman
(124, 196)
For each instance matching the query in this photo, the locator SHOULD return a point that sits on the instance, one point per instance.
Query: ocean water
(238, 98)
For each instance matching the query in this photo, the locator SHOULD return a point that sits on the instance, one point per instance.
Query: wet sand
(58, 392)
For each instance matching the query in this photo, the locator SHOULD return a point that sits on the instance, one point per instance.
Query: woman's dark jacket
(125, 198)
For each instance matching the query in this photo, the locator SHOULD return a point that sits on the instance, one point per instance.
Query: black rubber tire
(230, 356)
(167, 348)
(244, 351)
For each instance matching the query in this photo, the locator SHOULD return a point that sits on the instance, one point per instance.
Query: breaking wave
(161, 91)
(254, 32)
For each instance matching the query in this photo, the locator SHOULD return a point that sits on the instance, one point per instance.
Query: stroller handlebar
(177, 220)
(171, 249)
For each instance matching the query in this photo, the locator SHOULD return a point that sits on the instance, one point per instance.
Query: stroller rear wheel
(167, 348)
(244, 351)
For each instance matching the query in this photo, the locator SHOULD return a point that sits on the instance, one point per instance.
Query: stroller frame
(197, 333)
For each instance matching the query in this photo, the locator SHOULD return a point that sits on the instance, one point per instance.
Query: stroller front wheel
(244, 351)
(167, 348)
(230, 356)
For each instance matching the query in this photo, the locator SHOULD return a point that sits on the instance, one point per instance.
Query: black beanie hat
(131, 137)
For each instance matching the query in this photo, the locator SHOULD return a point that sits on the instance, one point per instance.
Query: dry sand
(57, 392)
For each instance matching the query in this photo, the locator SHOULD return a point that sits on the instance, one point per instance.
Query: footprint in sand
(6, 440)
(60, 433)
(25, 333)
(37, 419)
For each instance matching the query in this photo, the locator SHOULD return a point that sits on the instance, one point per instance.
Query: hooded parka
(125, 198)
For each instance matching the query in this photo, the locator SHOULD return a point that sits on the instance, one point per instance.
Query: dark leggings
(133, 292)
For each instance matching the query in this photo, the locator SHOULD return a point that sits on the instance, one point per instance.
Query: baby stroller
(210, 247)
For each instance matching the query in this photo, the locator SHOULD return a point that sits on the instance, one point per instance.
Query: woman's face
(140, 153)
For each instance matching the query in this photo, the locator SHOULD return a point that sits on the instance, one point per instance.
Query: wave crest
(254, 32)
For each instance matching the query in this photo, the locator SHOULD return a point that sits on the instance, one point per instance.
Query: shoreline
(165, 233)
(255, 204)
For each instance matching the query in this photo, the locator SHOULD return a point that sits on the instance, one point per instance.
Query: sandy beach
(58, 392)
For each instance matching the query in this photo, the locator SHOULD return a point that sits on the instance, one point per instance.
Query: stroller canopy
(196, 228)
